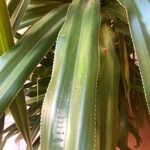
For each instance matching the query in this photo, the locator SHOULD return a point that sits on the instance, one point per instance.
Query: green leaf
(9, 128)
(115, 9)
(36, 11)
(124, 68)
(35, 131)
(108, 89)
(46, 3)
(2, 120)
(6, 40)
(138, 17)
(17, 64)
(5, 43)
(35, 99)
(11, 133)
(18, 14)
(19, 112)
(12, 5)
(123, 120)
(18, 106)
(68, 110)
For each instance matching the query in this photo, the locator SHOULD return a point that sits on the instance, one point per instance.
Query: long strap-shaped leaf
(36, 11)
(68, 110)
(18, 106)
(12, 5)
(19, 112)
(18, 14)
(116, 9)
(124, 68)
(5, 30)
(16, 65)
(2, 121)
(123, 121)
(139, 22)
(107, 90)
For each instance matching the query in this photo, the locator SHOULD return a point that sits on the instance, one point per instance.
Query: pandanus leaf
(139, 22)
(36, 10)
(18, 14)
(18, 106)
(6, 40)
(108, 89)
(68, 110)
(17, 64)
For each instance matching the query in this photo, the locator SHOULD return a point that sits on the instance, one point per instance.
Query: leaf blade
(36, 50)
(69, 92)
(18, 14)
(19, 112)
(140, 32)
(5, 30)
(108, 89)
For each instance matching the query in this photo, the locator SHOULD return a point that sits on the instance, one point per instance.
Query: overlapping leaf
(12, 5)
(36, 10)
(138, 15)
(5, 30)
(18, 106)
(18, 14)
(108, 90)
(19, 112)
(68, 110)
(17, 64)
(2, 120)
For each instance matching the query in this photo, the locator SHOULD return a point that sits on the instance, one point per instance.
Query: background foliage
(85, 72)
